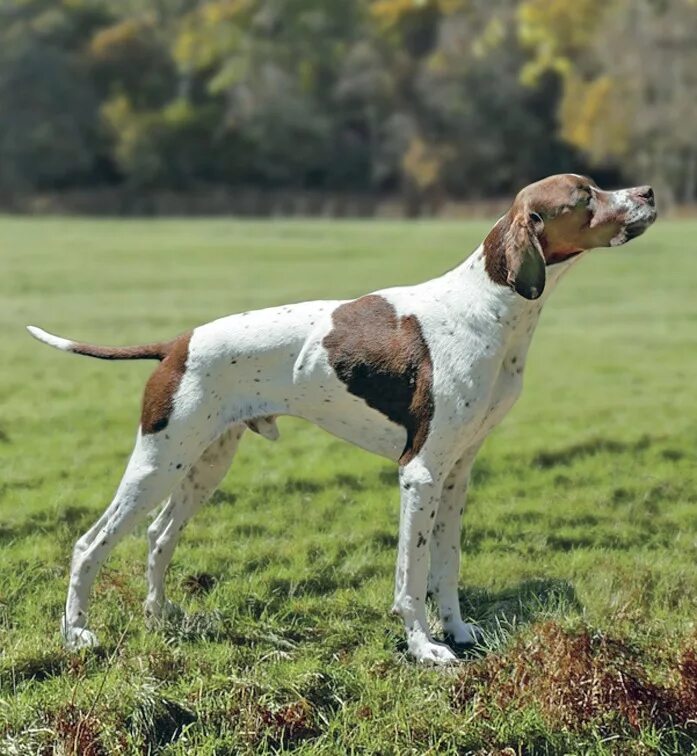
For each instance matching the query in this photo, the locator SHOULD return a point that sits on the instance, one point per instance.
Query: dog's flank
(419, 374)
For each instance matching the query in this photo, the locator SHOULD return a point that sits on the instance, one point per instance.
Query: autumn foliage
(425, 98)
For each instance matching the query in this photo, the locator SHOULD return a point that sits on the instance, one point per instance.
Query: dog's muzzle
(640, 214)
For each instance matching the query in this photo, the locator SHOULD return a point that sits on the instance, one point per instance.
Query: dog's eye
(536, 218)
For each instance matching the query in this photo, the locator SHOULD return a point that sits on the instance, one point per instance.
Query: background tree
(49, 106)
(426, 98)
(629, 84)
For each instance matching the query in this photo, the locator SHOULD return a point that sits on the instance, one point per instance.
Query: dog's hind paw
(76, 638)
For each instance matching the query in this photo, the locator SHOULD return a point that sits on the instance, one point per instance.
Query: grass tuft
(157, 721)
(581, 677)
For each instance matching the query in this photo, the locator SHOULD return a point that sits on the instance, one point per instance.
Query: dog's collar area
(566, 258)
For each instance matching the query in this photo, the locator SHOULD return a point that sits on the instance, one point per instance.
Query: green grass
(583, 509)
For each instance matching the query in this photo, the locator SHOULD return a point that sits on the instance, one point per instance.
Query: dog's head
(555, 219)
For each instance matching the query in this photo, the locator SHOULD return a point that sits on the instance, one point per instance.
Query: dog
(418, 374)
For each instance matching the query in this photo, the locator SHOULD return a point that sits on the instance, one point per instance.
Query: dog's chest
(506, 388)
(479, 381)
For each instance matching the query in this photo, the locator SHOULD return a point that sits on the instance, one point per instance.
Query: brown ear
(524, 258)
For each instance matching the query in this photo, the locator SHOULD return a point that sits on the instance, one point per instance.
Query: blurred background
(339, 107)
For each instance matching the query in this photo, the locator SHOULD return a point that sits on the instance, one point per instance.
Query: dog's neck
(472, 295)
(482, 290)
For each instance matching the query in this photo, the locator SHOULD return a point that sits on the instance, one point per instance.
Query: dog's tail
(144, 352)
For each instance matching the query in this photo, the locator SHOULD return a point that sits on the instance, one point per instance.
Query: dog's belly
(351, 419)
(320, 397)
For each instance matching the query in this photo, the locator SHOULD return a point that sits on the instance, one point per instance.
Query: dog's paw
(76, 638)
(156, 614)
(464, 634)
(433, 654)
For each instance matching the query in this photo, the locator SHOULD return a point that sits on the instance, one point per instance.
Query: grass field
(580, 537)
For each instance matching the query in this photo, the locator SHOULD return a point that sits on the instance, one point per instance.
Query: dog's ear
(525, 262)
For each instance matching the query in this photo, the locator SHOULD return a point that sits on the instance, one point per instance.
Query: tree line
(427, 98)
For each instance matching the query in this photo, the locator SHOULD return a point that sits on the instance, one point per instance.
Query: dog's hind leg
(193, 491)
(150, 477)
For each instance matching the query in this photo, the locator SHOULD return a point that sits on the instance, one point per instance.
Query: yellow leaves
(217, 12)
(117, 113)
(188, 49)
(390, 12)
(545, 61)
(178, 112)
(493, 35)
(139, 135)
(108, 43)
(212, 27)
(594, 117)
(565, 24)
(558, 32)
(422, 163)
(593, 114)
(233, 69)
(554, 30)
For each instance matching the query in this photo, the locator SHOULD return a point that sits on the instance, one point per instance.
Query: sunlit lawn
(583, 508)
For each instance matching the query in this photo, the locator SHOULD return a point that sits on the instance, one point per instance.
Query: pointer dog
(418, 374)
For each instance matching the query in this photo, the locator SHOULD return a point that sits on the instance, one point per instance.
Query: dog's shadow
(518, 605)
(500, 613)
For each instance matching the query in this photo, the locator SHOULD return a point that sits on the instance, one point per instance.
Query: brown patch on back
(386, 362)
(163, 383)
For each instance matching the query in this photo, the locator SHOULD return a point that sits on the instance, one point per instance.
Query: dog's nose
(645, 193)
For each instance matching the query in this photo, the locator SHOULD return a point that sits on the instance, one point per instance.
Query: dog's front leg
(420, 492)
(445, 552)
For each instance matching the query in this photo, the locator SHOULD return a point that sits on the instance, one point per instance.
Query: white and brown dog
(418, 374)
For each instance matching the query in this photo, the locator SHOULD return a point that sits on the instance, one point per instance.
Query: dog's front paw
(464, 633)
(156, 613)
(432, 653)
(76, 638)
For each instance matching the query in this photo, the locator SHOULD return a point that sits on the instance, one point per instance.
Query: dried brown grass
(283, 726)
(575, 678)
(78, 732)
